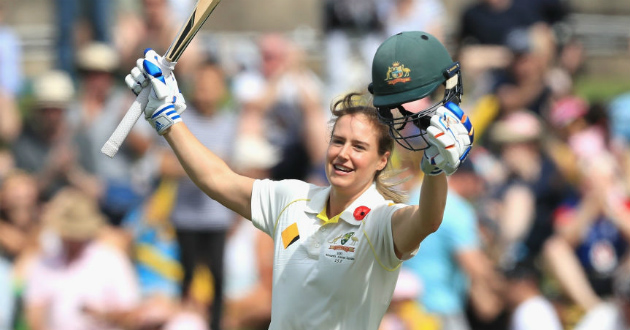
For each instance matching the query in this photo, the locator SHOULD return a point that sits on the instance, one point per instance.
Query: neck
(338, 201)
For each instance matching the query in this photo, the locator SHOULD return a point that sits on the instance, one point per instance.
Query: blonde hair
(355, 103)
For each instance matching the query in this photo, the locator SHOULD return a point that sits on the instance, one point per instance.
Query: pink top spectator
(102, 278)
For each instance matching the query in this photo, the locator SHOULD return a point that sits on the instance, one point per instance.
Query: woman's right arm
(209, 172)
(163, 109)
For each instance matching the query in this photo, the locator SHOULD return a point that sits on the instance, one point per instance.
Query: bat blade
(197, 18)
(199, 15)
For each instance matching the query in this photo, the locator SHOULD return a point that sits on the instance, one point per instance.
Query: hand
(450, 136)
(166, 103)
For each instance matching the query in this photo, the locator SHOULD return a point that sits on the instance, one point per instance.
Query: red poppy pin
(360, 212)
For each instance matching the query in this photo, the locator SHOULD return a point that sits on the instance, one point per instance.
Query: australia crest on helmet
(397, 73)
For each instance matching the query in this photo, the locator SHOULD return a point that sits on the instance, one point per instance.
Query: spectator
(155, 28)
(618, 117)
(152, 239)
(489, 22)
(615, 313)
(404, 312)
(98, 14)
(45, 147)
(11, 124)
(451, 263)
(619, 111)
(530, 309)
(282, 103)
(10, 81)
(353, 31)
(249, 252)
(10, 59)
(100, 105)
(592, 235)
(532, 187)
(522, 84)
(200, 222)
(19, 230)
(417, 15)
(71, 284)
(7, 162)
(507, 36)
(19, 213)
(7, 300)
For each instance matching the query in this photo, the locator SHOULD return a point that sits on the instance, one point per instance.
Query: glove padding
(166, 103)
(450, 136)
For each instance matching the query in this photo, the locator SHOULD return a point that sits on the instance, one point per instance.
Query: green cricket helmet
(407, 67)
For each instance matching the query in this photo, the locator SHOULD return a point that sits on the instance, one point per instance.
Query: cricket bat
(199, 15)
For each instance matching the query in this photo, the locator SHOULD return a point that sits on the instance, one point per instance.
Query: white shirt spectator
(535, 313)
(421, 15)
(606, 316)
(7, 303)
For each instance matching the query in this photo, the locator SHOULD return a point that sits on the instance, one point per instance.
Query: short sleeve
(378, 230)
(268, 199)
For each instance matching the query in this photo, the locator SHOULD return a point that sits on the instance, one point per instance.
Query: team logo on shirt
(346, 241)
(342, 247)
(397, 73)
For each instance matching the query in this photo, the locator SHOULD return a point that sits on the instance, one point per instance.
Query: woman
(338, 249)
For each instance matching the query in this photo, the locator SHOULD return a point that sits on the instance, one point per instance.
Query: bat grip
(110, 148)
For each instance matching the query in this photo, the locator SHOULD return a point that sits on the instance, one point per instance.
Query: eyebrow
(363, 143)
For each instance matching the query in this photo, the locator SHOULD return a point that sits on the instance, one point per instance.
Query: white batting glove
(166, 103)
(450, 136)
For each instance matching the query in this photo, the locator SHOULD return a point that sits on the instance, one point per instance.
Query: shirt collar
(370, 198)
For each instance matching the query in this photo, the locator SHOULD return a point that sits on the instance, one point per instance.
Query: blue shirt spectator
(10, 62)
(446, 284)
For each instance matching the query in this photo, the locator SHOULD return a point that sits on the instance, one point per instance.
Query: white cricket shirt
(327, 275)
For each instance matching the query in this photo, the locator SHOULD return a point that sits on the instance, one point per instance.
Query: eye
(360, 147)
(336, 141)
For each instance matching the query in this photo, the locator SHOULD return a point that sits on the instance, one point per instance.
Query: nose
(343, 152)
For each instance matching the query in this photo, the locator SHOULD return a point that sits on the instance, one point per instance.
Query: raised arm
(163, 111)
(450, 136)
(412, 224)
(209, 172)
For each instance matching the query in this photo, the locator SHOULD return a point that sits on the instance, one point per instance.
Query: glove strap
(164, 118)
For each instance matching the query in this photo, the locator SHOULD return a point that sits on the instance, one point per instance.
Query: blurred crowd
(537, 222)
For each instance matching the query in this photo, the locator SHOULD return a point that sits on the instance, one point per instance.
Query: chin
(339, 182)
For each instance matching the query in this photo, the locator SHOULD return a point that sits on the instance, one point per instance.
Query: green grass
(601, 89)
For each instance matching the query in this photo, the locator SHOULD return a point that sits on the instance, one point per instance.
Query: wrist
(164, 117)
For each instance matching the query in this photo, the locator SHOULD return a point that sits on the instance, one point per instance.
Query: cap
(567, 110)
(408, 66)
(53, 88)
(97, 56)
(73, 215)
(520, 126)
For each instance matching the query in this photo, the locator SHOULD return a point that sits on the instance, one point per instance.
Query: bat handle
(110, 148)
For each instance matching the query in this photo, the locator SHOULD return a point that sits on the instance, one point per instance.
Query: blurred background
(537, 224)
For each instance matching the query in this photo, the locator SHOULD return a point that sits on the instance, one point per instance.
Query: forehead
(357, 127)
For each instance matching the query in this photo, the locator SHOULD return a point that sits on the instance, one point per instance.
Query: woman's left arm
(412, 224)
(450, 136)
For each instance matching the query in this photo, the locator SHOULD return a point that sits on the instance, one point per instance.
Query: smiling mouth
(342, 168)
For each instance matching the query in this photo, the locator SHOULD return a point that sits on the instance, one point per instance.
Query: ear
(382, 162)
